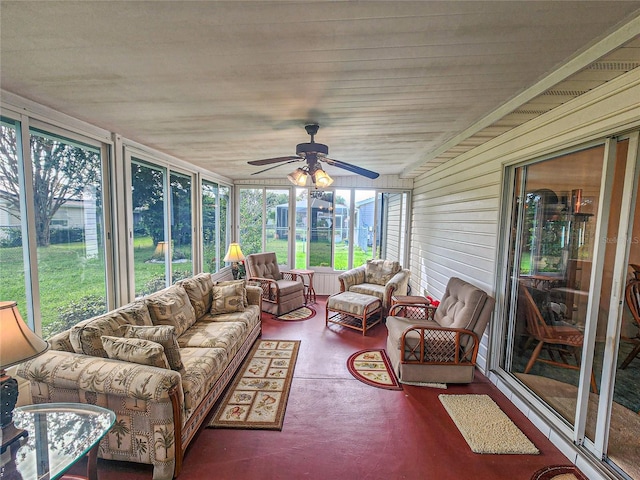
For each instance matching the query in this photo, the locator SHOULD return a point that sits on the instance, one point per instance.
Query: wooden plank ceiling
(397, 87)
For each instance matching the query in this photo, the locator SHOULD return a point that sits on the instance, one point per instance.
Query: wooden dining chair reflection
(565, 341)
(632, 299)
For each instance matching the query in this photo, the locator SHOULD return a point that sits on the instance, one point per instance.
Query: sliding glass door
(571, 251)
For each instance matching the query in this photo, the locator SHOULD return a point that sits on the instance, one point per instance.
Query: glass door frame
(24, 124)
(501, 330)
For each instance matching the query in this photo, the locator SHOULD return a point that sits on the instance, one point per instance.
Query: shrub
(74, 312)
(66, 235)
(157, 282)
(11, 237)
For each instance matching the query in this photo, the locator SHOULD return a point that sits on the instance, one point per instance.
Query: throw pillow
(380, 271)
(172, 306)
(165, 335)
(227, 299)
(85, 336)
(238, 282)
(135, 350)
(198, 289)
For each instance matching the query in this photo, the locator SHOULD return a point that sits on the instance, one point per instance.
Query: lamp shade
(234, 254)
(322, 178)
(17, 342)
(298, 177)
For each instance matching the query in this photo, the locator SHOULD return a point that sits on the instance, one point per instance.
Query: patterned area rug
(373, 368)
(485, 427)
(302, 313)
(559, 472)
(257, 399)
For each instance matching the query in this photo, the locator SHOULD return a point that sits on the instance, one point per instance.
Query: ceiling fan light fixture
(298, 177)
(322, 178)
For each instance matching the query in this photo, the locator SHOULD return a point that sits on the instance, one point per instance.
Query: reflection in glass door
(618, 409)
(552, 248)
(181, 226)
(150, 248)
(567, 266)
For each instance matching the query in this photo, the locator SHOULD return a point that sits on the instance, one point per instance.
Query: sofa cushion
(227, 298)
(203, 367)
(85, 336)
(172, 306)
(380, 271)
(372, 289)
(198, 289)
(135, 350)
(287, 287)
(165, 335)
(227, 335)
(250, 317)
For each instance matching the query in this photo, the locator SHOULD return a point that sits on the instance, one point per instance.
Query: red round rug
(373, 368)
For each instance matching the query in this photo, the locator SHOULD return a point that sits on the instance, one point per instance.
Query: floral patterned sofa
(159, 363)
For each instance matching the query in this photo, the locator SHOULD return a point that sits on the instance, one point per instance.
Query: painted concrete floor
(336, 427)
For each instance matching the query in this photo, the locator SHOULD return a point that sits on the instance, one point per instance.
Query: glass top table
(60, 434)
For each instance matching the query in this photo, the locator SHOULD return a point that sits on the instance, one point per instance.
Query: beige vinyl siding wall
(456, 207)
(455, 230)
(393, 232)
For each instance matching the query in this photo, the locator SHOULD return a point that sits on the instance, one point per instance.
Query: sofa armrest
(254, 295)
(148, 402)
(352, 277)
(57, 369)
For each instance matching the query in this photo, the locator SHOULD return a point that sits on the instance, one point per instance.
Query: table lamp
(17, 344)
(234, 255)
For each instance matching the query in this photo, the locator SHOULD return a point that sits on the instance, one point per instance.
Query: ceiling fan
(312, 153)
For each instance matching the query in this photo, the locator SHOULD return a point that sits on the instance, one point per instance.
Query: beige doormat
(485, 427)
(257, 399)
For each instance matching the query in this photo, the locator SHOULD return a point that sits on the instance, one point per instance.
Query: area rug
(302, 313)
(559, 472)
(373, 368)
(257, 399)
(485, 427)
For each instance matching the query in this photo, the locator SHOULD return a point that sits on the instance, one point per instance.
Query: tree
(61, 172)
(148, 199)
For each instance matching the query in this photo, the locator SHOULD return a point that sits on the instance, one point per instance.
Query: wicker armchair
(428, 344)
(282, 292)
(379, 278)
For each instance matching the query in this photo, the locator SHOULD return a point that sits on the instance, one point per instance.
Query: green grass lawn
(67, 277)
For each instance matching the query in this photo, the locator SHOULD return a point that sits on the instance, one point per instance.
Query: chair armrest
(352, 277)
(286, 275)
(435, 345)
(413, 311)
(270, 288)
(397, 285)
